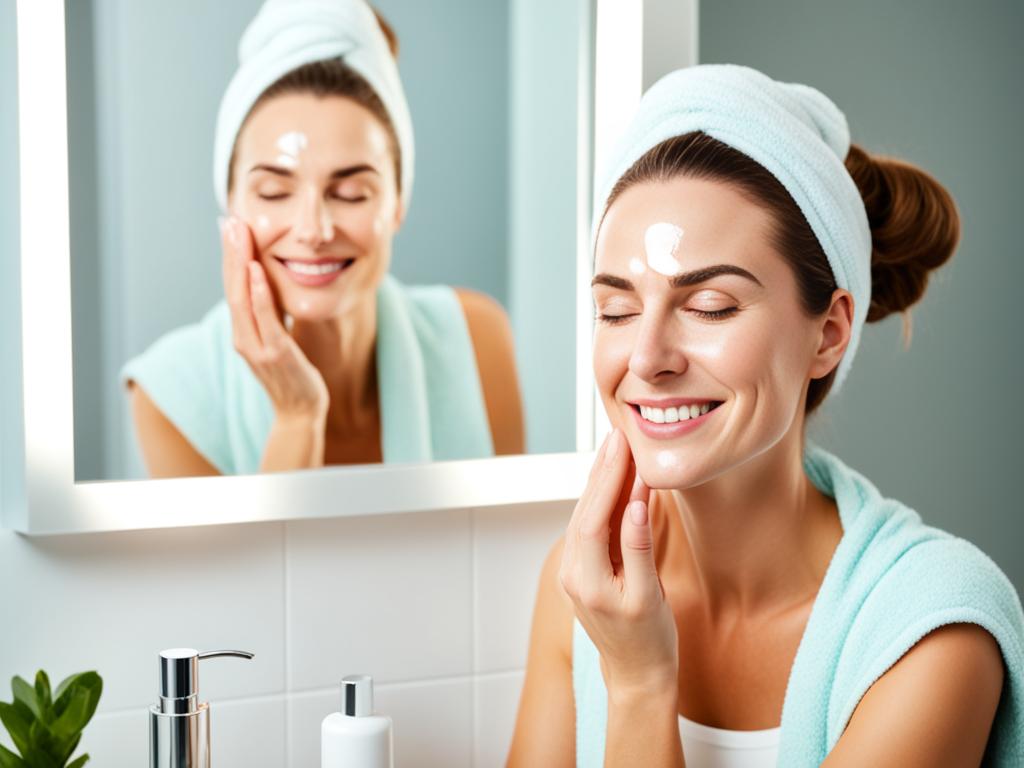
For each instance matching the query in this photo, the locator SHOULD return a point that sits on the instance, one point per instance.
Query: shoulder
(932, 639)
(483, 312)
(947, 689)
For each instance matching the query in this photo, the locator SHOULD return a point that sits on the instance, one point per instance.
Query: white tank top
(707, 747)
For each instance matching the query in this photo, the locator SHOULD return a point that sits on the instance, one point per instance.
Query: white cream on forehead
(291, 144)
(661, 242)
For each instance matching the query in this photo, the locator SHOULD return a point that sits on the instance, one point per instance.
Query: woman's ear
(834, 336)
(399, 214)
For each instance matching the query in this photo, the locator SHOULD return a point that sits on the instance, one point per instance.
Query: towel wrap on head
(287, 34)
(431, 400)
(891, 581)
(792, 130)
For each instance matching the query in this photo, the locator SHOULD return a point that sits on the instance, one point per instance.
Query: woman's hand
(297, 390)
(608, 570)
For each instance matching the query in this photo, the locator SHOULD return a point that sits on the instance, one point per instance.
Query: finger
(268, 323)
(615, 522)
(237, 244)
(595, 530)
(640, 572)
(572, 531)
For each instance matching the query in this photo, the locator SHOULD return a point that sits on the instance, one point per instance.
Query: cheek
(612, 348)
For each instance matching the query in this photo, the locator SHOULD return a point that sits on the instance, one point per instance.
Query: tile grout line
(473, 644)
(286, 643)
(287, 695)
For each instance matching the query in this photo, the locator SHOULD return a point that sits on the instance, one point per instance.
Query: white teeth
(303, 268)
(672, 415)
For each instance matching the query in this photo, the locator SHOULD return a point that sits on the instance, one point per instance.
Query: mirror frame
(38, 492)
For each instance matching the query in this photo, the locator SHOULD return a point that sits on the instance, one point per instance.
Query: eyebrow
(681, 280)
(340, 173)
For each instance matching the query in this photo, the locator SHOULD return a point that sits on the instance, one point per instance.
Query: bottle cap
(357, 695)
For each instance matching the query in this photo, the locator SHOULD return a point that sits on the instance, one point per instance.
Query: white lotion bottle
(355, 737)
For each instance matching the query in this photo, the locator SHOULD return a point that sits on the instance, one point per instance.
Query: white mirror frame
(38, 491)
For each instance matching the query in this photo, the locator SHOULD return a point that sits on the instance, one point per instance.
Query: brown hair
(333, 77)
(914, 222)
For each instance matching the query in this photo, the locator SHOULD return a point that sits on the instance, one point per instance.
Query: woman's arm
(165, 450)
(293, 443)
(491, 334)
(933, 708)
(545, 732)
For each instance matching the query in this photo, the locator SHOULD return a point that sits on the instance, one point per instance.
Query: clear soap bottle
(356, 737)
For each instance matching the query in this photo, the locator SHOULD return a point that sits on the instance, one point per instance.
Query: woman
(726, 594)
(318, 356)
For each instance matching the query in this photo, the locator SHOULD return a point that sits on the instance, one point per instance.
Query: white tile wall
(436, 606)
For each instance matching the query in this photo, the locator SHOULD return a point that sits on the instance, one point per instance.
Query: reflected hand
(608, 570)
(295, 386)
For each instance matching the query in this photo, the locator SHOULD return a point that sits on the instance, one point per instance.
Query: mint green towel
(431, 401)
(891, 581)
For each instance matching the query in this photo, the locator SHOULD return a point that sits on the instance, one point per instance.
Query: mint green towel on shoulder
(891, 581)
(431, 400)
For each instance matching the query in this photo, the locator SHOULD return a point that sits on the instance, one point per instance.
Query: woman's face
(314, 179)
(731, 348)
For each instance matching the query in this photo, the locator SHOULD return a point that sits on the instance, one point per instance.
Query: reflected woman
(319, 356)
(727, 593)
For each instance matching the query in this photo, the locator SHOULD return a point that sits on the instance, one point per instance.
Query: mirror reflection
(347, 294)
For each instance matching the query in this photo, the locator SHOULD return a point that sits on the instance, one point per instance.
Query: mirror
(109, 219)
(494, 167)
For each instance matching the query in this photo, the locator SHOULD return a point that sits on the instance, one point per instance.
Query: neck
(759, 538)
(343, 349)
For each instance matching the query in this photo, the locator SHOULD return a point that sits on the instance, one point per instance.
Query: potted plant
(45, 727)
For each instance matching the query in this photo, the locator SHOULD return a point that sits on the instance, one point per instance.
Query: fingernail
(613, 448)
(638, 513)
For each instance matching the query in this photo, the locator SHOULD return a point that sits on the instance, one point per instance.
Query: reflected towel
(285, 35)
(431, 400)
(891, 581)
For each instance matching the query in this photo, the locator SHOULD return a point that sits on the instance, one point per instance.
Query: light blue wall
(542, 236)
(937, 83)
(145, 80)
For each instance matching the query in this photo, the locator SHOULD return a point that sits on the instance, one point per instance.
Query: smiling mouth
(675, 414)
(316, 268)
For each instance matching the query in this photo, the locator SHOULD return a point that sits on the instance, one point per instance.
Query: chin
(663, 469)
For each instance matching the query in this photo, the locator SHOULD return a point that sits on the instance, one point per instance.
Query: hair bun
(914, 224)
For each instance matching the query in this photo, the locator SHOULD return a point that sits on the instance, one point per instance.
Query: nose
(313, 223)
(658, 351)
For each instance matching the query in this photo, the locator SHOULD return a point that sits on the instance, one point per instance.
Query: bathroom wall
(935, 425)
(436, 605)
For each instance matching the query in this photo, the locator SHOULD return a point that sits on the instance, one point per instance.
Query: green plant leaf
(64, 748)
(79, 711)
(10, 760)
(26, 694)
(79, 762)
(89, 681)
(38, 758)
(16, 725)
(43, 694)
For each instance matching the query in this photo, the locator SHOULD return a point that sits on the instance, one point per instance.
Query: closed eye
(718, 314)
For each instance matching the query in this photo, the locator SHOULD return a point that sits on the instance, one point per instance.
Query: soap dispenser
(179, 726)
